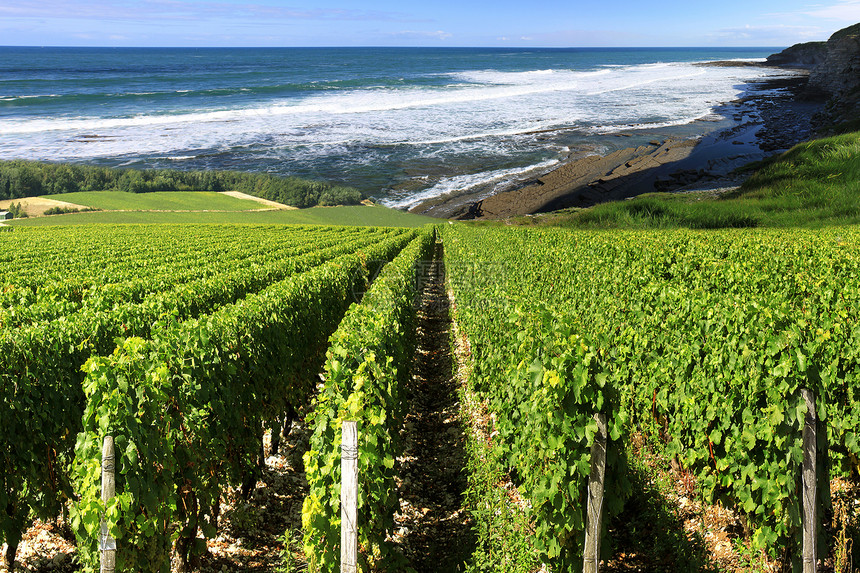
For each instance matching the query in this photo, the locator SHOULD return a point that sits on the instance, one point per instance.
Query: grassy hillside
(814, 184)
(350, 215)
(160, 200)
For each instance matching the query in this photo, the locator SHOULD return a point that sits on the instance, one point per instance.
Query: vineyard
(185, 343)
(703, 340)
(181, 342)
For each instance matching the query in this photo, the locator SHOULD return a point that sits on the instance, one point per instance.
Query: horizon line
(401, 47)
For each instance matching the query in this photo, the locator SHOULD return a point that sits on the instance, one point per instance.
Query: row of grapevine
(701, 338)
(30, 296)
(30, 257)
(366, 368)
(186, 407)
(42, 384)
(70, 298)
(543, 378)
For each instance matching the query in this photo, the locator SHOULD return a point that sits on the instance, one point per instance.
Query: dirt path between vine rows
(432, 527)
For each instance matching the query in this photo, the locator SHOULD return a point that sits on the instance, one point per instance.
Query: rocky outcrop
(839, 73)
(834, 75)
(806, 55)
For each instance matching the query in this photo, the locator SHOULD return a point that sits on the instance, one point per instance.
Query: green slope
(158, 200)
(351, 215)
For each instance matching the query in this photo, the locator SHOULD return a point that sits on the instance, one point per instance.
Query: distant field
(36, 206)
(353, 215)
(160, 201)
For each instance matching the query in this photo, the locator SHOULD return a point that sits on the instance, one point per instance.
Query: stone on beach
(587, 181)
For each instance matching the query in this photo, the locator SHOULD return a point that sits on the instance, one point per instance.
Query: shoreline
(768, 118)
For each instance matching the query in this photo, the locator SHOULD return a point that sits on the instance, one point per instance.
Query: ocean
(400, 124)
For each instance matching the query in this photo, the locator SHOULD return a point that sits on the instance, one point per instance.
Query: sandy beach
(770, 118)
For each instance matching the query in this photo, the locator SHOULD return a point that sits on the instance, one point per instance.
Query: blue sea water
(401, 124)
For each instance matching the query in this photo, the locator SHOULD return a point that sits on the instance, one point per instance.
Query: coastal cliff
(806, 55)
(838, 76)
(839, 72)
(834, 74)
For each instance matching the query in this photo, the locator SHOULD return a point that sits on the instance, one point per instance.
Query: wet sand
(769, 119)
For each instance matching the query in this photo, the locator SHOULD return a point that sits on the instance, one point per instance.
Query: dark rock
(807, 55)
(834, 76)
(838, 78)
(839, 72)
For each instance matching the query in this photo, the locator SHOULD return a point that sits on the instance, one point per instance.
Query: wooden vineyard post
(349, 499)
(107, 544)
(591, 559)
(810, 494)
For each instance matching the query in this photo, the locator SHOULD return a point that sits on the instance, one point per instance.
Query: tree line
(31, 179)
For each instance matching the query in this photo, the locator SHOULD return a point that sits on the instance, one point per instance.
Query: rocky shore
(773, 116)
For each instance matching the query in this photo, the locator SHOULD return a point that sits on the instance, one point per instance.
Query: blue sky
(424, 23)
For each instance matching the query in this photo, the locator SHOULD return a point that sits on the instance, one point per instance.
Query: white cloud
(438, 34)
(832, 16)
(844, 10)
(775, 35)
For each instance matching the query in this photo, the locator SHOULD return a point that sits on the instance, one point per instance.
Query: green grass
(814, 184)
(352, 216)
(158, 200)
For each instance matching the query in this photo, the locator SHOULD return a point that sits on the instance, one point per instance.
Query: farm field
(359, 215)
(698, 341)
(248, 308)
(159, 201)
(188, 342)
(36, 206)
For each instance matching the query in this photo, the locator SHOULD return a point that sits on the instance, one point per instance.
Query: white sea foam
(14, 98)
(652, 125)
(473, 114)
(467, 182)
